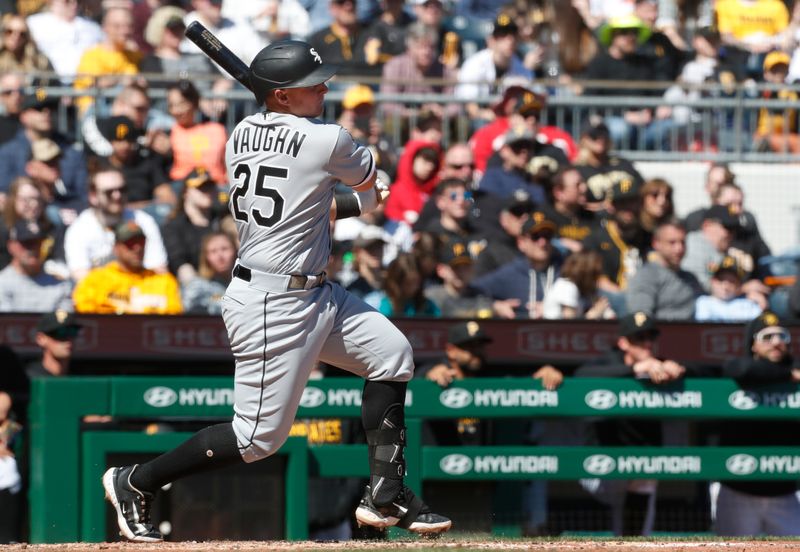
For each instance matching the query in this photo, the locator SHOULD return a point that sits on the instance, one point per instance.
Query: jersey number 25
(264, 172)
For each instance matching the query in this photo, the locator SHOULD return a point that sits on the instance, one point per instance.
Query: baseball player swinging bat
(235, 67)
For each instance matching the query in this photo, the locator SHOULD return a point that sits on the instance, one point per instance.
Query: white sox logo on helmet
(314, 53)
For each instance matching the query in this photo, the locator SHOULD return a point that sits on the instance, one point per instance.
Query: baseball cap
(59, 324)
(529, 103)
(45, 150)
(729, 264)
(636, 323)
(197, 177)
(766, 319)
(25, 231)
(594, 130)
(467, 333)
(39, 99)
(536, 223)
(455, 253)
(118, 127)
(775, 58)
(623, 22)
(722, 215)
(358, 95)
(504, 25)
(623, 189)
(127, 230)
(368, 235)
(165, 17)
(520, 204)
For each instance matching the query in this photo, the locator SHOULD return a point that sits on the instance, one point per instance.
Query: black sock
(209, 449)
(634, 513)
(383, 407)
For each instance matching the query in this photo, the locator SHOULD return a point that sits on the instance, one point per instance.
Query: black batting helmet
(287, 64)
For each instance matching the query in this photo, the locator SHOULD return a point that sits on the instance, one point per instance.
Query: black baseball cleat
(407, 511)
(131, 504)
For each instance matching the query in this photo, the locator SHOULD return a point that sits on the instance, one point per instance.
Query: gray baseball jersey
(282, 170)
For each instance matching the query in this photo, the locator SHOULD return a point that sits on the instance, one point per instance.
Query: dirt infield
(459, 545)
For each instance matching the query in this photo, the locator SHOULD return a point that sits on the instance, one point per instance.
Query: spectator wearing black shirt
(510, 217)
(620, 241)
(632, 502)
(386, 37)
(667, 58)
(599, 166)
(453, 201)
(342, 42)
(574, 223)
(196, 215)
(147, 182)
(622, 36)
(753, 508)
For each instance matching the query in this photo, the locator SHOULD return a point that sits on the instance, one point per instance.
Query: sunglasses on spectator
(660, 193)
(65, 334)
(773, 335)
(466, 195)
(123, 191)
(459, 166)
(536, 236)
(9, 91)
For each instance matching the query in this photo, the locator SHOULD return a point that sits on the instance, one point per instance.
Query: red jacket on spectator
(408, 192)
(488, 139)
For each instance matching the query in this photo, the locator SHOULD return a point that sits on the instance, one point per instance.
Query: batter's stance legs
(131, 489)
(387, 502)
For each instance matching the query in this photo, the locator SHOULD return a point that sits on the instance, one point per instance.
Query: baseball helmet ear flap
(287, 64)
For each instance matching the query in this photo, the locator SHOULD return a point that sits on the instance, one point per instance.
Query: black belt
(296, 281)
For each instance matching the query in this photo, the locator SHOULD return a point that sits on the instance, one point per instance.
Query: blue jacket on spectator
(504, 183)
(15, 153)
(513, 281)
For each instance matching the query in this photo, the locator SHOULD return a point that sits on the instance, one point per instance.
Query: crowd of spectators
(520, 221)
(128, 212)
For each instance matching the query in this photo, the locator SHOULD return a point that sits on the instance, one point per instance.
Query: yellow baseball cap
(357, 95)
(775, 58)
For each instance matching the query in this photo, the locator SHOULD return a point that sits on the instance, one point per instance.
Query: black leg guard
(383, 416)
(209, 449)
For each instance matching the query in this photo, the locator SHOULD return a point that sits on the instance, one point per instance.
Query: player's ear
(281, 96)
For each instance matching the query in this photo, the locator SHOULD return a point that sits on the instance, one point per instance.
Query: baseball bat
(217, 51)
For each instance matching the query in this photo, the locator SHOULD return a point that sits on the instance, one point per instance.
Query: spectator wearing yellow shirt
(102, 65)
(755, 26)
(777, 127)
(124, 286)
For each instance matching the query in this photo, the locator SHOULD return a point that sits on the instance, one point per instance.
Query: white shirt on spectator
(292, 16)
(236, 34)
(564, 293)
(63, 42)
(88, 244)
(478, 74)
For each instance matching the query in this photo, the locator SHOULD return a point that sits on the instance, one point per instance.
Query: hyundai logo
(601, 399)
(455, 398)
(743, 400)
(160, 397)
(599, 464)
(455, 464)
(741, 464)
(312, 397)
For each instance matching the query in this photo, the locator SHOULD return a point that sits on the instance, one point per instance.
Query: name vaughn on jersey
(274, 138)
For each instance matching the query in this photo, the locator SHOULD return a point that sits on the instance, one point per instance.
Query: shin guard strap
(410, 516)
(392, 436)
